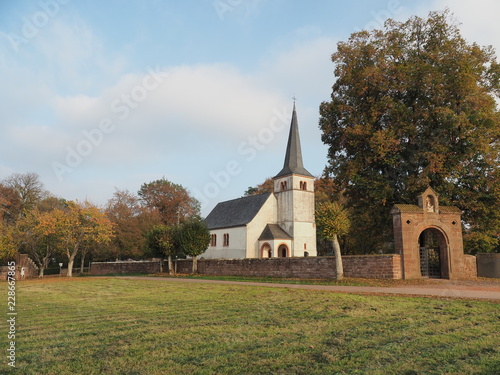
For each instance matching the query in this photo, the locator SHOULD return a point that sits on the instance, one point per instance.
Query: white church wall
(296, 213)
(266, 215)
(304, 239)
(236, 248)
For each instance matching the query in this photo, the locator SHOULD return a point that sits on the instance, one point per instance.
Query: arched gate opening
(433, 250)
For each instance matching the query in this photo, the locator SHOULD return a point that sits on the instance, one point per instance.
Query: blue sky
(98, 95)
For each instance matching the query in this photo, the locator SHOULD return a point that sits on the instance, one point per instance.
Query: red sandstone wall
(372, 266)
(104, 268)
(470, 267)
(366, 266)
(22, 261)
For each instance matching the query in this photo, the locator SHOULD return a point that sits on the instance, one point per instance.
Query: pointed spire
(293, 157)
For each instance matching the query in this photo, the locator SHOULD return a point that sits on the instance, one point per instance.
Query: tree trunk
(195, 264)
(70, 266)
(338, 258)
(71, 261)
(83, 263)
(170, 265)
(44, 264)
(161, 264)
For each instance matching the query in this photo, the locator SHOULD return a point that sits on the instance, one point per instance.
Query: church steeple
(293, 157)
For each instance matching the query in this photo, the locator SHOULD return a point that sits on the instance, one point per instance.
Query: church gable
(274, 232)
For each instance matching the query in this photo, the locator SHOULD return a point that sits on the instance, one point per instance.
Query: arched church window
(225, 239)
(213, 240)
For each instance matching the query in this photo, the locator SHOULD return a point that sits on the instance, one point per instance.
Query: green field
(123, 326)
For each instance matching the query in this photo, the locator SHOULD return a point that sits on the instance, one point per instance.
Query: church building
(277, 224)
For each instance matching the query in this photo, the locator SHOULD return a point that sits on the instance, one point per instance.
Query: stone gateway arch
(429, 239)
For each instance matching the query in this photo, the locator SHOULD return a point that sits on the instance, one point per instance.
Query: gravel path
(466, 289)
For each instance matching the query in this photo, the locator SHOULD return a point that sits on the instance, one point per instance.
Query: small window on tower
(283, 185)
(303, 185)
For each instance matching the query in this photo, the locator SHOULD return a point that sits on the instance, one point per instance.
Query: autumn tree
(50, 202)
(160, 242)
(172, 201)
(412, 106)
(193, 238)
(10, 204)
(131, 222)
(28, 187)
(266, 187)
(8, 243)
(332, 221)
(82, 225)
(39, 237)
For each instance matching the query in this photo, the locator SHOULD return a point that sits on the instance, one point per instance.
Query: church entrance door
(266, 251)
(283, 251)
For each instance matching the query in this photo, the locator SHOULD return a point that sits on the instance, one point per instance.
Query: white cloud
(188, 125)
(305, 68)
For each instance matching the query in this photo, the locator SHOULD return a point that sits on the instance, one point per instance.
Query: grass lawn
(123, 326)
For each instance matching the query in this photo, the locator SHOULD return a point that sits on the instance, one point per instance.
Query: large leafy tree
(160, 242)
(132, 221)
(28, 188)
(193, 238)
(172, 201)
(414, 105)
(81, 225)
(39, 237)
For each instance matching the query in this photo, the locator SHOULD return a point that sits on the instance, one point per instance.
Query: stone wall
(488, 265)
(470, 267)
(372, 266)
(25, 268)
(365, 266)
(104, 268)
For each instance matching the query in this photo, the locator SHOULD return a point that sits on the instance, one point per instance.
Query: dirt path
(437, 288)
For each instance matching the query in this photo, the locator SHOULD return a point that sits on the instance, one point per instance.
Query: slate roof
(293, 157)
(274, 232)
(236, 212)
